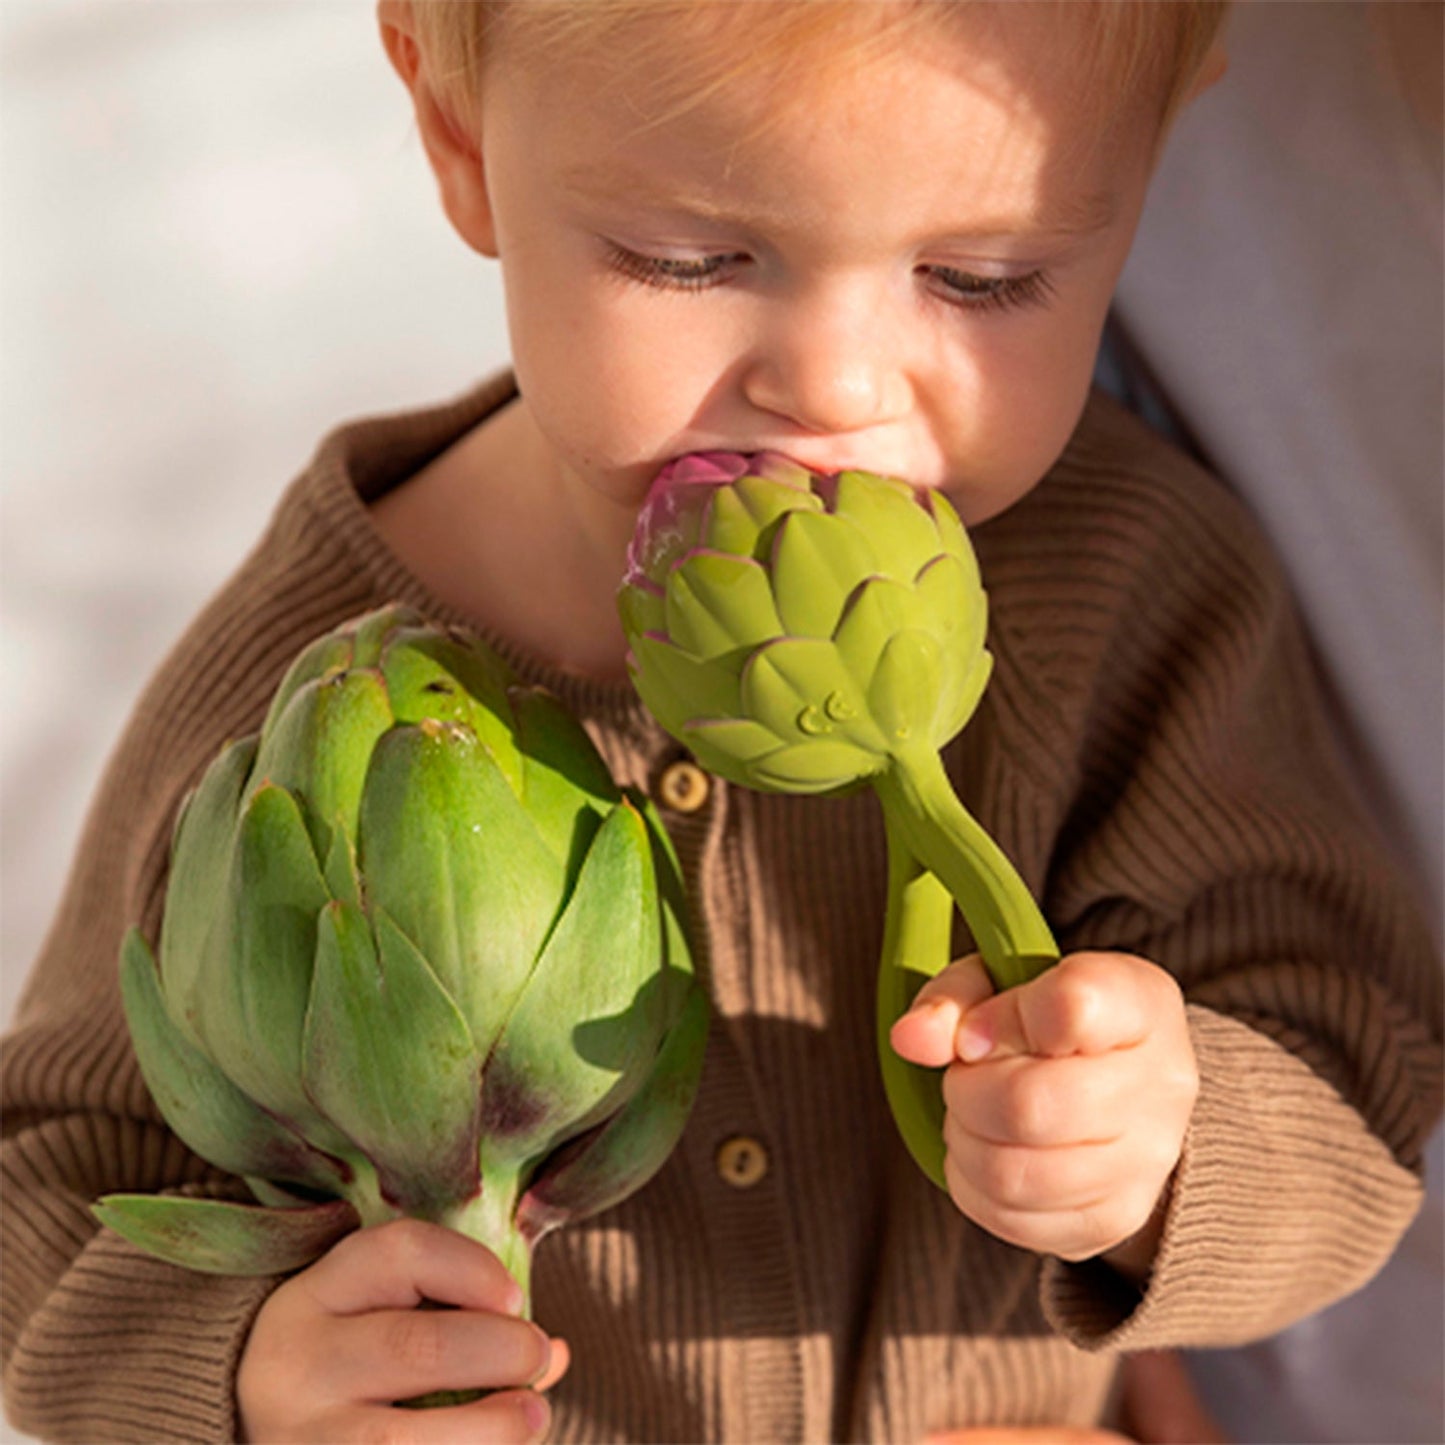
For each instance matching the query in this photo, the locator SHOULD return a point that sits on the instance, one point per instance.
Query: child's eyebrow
(1070, 215)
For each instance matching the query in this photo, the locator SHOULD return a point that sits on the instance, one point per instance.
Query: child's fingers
(399, 1264)
(387, 1355)
(558, 1366)
(1073, 1233)
(514, 1417)
(1088, 1003)
(1032, 1180)
(1043, 1103)
(925, 1034)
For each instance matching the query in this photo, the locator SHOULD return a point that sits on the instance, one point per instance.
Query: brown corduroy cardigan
(1150, 753)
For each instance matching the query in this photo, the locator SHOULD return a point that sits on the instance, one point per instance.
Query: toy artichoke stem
(917, 931)
(926, 816)
(938, 855)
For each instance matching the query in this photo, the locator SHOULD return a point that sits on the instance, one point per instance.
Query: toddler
(879, 235)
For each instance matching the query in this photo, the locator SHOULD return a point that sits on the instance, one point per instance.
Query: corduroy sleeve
(1204, 822)
(102, 1342)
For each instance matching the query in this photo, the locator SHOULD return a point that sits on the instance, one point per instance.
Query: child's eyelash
(992, 293)
(669, 273)
(964, 289)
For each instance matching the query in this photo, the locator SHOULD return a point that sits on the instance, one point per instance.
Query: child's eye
(991, 293)
(670, 273)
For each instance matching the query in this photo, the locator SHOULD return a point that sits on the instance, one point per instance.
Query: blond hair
(1158, 45)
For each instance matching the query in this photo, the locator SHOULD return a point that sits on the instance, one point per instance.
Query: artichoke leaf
(342, 875)
(678, 687)
(561, 773)
(275, 1196)
(200, 861)
(321, 746)
(729, 526)
(885, 510)
(954, 537)
(430, 675)
(878, 609)
(602, 1168)
(679, 973)
(962, 697)
(250, 1002)
(736, 739)
(689, 620)
(904, 693)
(642, 608)
(817, 561)
(216, 1236)
(325, 656)
(798, 688)
(765, 501)
(449, 852)
(717, 603)
(950, 606)
(821, 765)
(389, 1059)
(207, 1111)
(372, 632)
(588, 1023)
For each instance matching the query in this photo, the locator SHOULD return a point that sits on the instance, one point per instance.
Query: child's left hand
(1066, 1100)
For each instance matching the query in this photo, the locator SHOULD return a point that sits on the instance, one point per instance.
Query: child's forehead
(659, 60)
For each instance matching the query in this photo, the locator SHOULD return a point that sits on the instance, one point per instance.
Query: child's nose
(828, 371)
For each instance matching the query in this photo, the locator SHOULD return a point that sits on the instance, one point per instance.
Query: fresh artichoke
(806, 633)
(420, 956)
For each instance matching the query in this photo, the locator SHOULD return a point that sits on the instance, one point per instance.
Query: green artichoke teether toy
(805, 633)
(420, 956)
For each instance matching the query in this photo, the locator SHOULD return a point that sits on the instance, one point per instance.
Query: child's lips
(718, 464)
(831, 464)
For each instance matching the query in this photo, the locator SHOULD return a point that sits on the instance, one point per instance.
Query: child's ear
(456, 158)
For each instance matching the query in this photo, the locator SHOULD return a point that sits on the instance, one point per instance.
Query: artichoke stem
(365, 1196)
(489, 1217)
(927, 816)
(916, 935)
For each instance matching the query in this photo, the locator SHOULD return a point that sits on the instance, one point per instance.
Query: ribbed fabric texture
(1150, 755)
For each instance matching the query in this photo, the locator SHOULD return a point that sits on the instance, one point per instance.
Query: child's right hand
(337, 1344)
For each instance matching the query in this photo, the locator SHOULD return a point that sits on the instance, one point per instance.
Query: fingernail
(536, 1412)
(514, 1300)
(971, 1044)
(931, 1009)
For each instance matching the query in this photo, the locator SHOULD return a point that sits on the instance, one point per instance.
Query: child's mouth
(720, 465)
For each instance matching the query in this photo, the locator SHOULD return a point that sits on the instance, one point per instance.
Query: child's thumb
(925, 1034)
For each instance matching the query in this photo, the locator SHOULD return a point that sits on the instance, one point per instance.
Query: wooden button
(742, 1161)
(683, 787)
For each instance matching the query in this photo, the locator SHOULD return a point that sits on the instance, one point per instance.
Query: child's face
(906, 272)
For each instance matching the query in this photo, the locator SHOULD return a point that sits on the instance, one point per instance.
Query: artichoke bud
(417, 948)
(798, 630)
